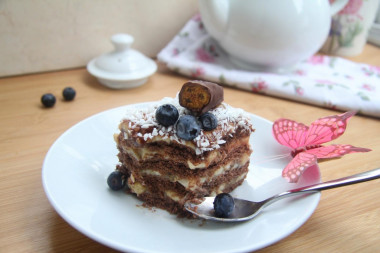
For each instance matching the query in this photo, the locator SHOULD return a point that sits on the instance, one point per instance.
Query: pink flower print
(197, 72)
(197, 17)
(316, 59)
(296, 86)
(352, 7)
(330, 105)
(259, 86)
(299, 90)
(368, 87)
(371, 70)
(204, 56)
(175, 52)
(375, 69)
(300, 72)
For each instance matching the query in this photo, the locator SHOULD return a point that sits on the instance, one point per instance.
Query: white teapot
(269, 35)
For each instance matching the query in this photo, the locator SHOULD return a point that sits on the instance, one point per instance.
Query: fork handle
(353, 179)
(357, 178)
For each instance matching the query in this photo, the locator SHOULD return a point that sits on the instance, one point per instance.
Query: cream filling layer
(193, 184)
(141, 154)
(215, 192)
(146, 154)
(139, 189)
(223, 186)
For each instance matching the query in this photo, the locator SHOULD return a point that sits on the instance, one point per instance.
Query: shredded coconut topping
(142, 124)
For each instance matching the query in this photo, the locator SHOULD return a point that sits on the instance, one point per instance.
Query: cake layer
(161, 192)
(183, 155)
(191, 180)
(158, 181)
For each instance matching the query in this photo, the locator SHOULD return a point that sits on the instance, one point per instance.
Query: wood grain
(346, 220)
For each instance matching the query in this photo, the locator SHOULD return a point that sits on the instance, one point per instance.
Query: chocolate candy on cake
(200, 96)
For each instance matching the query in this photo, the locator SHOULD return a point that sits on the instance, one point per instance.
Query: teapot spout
(214, 15)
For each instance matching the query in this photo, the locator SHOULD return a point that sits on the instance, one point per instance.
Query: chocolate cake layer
(190, 179)
(166, 194)
(165, 171)
(181, 154)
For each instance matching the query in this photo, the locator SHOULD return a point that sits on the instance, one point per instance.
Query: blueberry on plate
(68, 93)
(48, 100)
(116, 180)
(224, 205)
(208, 121)
(167, 115)
(188, 127)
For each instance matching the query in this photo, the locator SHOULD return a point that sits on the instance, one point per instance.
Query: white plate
(74, 177)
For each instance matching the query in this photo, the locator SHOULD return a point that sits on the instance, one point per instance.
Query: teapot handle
(337, 5)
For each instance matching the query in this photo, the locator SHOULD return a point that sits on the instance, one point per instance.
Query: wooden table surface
(346, 219)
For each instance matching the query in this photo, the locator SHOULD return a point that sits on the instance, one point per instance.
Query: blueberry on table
(48, 100)
(188, 127)
(224, 205)
(209, 121)
(167, 115)
(68, 93)
(116, 180)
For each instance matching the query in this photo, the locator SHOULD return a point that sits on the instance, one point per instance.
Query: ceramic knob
(122, 41)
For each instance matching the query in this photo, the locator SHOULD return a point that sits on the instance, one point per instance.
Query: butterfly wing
(298, 165)
(297, 135)
(328, 128)
(289, 133)
(333, 151)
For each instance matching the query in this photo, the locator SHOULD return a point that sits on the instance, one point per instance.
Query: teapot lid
(123, 63)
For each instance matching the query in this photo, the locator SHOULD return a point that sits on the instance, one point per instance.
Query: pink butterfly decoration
(306, 142)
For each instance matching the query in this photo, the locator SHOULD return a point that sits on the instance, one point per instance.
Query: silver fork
(246, 210)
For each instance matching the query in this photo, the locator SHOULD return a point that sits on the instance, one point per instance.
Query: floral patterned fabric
(330, 82)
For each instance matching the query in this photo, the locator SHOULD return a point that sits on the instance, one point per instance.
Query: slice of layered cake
(183, 148)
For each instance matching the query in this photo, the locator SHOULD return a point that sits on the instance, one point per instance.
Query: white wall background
(45, 35)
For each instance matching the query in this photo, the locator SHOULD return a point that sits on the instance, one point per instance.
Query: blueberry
(209, 121)
(167, 115)
(68, 93)
(48, 100)
(188, 127)
(224, 204)
(116, 180)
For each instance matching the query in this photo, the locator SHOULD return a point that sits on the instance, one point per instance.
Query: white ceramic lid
(123, 63)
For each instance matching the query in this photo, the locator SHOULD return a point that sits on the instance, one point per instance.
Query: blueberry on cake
(184, 148)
